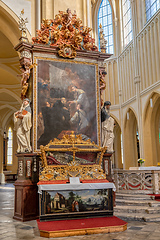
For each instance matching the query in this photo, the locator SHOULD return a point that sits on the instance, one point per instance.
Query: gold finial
(100, 26)
(22, 12)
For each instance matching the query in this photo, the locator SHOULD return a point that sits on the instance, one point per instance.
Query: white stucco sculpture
(107, 127)
(22, 125)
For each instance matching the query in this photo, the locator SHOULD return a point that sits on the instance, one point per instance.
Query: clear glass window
(152, 7)
(127, 22)
(105, 19)
(10, 146)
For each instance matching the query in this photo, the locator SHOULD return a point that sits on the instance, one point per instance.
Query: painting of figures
(77, 201)
(67, 100)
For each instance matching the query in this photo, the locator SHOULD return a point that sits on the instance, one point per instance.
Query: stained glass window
(151, 8)
(10, 146)
(105, 19)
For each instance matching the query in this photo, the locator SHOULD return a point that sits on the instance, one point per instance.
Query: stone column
(137, 79)
(38, 14)
(49, 9)
(2, 177)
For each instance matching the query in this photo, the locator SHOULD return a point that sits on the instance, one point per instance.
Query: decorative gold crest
(67, 51)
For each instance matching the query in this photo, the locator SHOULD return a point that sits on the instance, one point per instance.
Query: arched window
(151, 8)
(127, 22)
(10, 146)
(105, 18)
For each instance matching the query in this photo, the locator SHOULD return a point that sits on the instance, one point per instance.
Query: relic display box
(67, 159)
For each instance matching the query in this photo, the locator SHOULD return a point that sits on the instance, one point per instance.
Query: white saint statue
(22, 125)
(107, 127)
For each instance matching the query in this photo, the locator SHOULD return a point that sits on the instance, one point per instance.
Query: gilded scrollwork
(63, 172)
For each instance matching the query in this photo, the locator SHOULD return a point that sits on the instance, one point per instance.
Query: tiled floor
(11, 229)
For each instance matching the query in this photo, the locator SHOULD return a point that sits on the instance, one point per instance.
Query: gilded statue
(25, 74)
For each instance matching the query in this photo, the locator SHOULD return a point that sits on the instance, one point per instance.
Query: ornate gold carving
(66, 32)
(67, 51)
(35, 95)
(74, 144)
(63, 172)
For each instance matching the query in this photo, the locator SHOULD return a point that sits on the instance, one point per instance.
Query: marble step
(138, 217)
(129, 202)
(134, 196)
(136, 209)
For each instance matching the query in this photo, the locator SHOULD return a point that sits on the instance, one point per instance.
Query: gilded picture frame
(65, 98)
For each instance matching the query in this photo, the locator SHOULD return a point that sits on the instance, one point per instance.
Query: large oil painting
(67, 99)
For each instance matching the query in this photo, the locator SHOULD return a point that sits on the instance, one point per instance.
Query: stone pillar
(26, 192)
(49, 9)
(156, 186)
(38, 14)
(137, 79)
(107, 166)
(2, 177)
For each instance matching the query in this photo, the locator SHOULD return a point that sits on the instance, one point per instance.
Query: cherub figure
(102, 81)
(69, 18)
(25, 74)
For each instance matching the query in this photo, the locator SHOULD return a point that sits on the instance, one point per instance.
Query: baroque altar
(63, 79)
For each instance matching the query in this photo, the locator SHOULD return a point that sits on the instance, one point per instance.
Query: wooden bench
(10, 177)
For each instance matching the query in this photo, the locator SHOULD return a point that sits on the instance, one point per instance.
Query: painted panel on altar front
(77, 201)
(67, 100)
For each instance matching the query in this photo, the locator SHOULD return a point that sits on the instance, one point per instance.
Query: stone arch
(12, 94)
(129, 139)
(117, 156)
(5, 120)
(8, 69)
(151, 125)
(8, 106)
